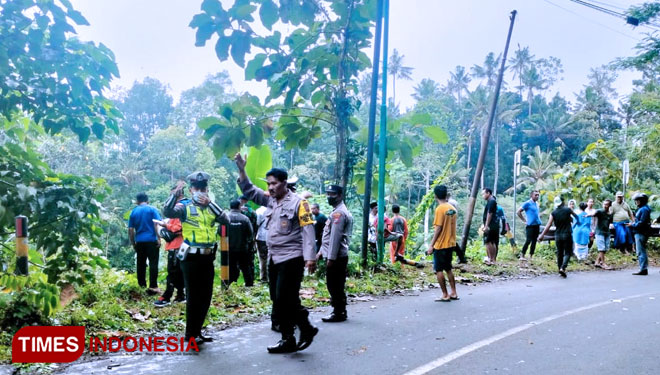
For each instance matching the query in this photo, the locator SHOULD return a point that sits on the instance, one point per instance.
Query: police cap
(198, 178)
(334, 189)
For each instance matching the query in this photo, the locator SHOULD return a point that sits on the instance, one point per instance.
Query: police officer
(334, 247)
(291, 246)
(198, 217)
(241, 258)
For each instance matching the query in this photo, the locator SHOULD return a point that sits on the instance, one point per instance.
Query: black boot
(306, 337)
(641, 273)
(286, 345)
(335, 317)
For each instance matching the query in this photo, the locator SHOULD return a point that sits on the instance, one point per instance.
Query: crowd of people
(288, 235)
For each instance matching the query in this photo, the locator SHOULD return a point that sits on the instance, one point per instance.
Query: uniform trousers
(285, 279)
(198, 274)
(336, 280)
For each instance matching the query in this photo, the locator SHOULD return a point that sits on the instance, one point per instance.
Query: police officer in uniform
(291, 247)
(334, 247)
(198, 217)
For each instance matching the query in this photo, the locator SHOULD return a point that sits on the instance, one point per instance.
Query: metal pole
(484, 141)
(21, 245)
(382, 141)
(372, 130)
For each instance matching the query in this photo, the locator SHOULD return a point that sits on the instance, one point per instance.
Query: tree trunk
(469, 152)
(393, 90)
(409, 194)
(497, 159)
(530, 98)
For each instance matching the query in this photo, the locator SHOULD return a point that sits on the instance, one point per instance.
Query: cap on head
(198, 179)
(558, 201)
(334, 189)
(641, 197)
(619, 194)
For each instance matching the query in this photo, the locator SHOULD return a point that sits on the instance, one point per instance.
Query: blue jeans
(640, 244)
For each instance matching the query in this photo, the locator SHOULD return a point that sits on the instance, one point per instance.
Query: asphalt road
(590, 323)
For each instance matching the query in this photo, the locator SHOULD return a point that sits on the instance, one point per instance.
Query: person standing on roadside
(240, 236)
(262, 247)
(561, 217)
(143, 236)
(319, 224)
(336, 239)
(491, 227)
(443, 243)
(642, 229)
(533, 221)
(602, 219)
(291, 248)
(622, 215)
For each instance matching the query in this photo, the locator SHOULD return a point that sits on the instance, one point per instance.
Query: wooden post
(224, 255)
(21, 245)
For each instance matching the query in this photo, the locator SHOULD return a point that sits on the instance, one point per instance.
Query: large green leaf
(269, 13)
(256, 63)
(259, 161)
(436, 134)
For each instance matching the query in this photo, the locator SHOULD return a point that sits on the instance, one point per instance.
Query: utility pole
(382, 141)
(484, 140)
(370, 140)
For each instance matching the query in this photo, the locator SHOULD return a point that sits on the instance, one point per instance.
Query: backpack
(168, 235)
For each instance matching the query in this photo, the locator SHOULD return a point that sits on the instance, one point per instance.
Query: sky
(151, 38)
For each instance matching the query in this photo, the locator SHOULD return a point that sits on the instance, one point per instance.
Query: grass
(117, 306)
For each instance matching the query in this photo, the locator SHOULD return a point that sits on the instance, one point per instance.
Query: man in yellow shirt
(443, 243)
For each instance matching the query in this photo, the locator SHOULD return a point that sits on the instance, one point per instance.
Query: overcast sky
(152, 38)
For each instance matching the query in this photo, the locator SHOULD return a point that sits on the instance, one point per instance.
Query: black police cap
(198, 177)
(334, 189)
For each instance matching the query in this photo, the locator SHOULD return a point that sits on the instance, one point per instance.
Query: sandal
(443, 300)
(456, 298)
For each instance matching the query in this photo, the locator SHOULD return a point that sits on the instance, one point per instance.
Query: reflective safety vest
(198, 229)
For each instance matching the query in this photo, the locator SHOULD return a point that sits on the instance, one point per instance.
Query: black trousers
(174, 277)
(285, 279)
(147, 250)
(532, 234)
(336, 280)
(564, 251)
(198, 273)
(241, 261)
(262, 247)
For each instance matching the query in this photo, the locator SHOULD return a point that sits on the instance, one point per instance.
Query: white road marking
(492, 339)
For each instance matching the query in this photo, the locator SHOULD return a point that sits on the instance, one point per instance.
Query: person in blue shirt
(581, 233)
(143, 236)
(641, 228)
(533, 221)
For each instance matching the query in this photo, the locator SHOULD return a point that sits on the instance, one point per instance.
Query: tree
(539, 171)
(540, 75)
(146, 107)
(521, 62)
(202, 101)
(56, 80)
(553, 125)
(396, 69)
(458, 83)
(488, 71)
(312, 71)
(426, 89)
(595, 99)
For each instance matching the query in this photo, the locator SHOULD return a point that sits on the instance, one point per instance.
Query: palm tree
(539, 172)
(478, 108)
(426, 89)
(532, 80)
(458, 83)
(506, 112)
(396, 69)
(554, 125)
(520, 62)
(488, 70)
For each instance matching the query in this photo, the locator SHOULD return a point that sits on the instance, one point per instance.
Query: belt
(200, 250)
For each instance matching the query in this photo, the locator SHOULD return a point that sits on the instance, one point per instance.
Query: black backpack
(168, 235)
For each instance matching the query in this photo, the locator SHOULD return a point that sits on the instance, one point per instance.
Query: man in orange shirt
(399, 226)
(443, 243)
(174, 273)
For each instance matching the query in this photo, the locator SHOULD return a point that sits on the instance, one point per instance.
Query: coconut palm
(488, 71)
(396, 69)
(521, 61)
(426, 89)
(554, 126)
(458, 83)
(539, 171)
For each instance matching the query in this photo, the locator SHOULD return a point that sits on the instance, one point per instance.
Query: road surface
(605, 322)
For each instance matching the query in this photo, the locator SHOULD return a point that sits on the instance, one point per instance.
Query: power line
(630, 20)
(589, 19)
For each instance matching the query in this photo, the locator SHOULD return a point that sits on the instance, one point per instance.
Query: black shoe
(275, 327)
(180, 299)
(562, 273)
(307, 337)
(161, 302)
(641, 273)
(285, 345)
(205, 338)
(335, 317)
(198, 340)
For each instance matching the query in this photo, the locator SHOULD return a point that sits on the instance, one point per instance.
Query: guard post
(21, 245)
